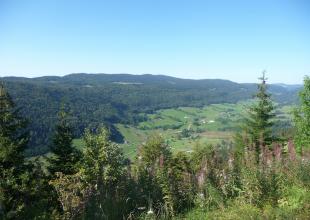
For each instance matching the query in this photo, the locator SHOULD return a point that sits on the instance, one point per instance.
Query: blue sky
(233, 40)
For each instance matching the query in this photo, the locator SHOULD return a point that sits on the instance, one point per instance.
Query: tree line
(259, 177)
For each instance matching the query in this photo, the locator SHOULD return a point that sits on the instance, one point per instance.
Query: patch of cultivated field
(184, 127)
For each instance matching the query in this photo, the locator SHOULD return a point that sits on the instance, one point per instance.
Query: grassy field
(184, 127)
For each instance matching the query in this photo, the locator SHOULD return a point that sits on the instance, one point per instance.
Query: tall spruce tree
(65, 157)
(302, 118)
(258, 124)
(13, 141)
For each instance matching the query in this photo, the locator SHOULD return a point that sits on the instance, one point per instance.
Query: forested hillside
(94, 99)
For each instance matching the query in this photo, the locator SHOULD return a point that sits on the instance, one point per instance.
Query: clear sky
(229, 39)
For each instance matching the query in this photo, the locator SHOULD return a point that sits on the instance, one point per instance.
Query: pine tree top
(5, 98)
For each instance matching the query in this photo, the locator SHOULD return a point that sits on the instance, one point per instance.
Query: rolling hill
(95, 99)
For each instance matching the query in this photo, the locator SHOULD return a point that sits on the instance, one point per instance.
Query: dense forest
(258, 177)
(95, 99)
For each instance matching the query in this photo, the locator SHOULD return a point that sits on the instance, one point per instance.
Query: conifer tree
(261, 115)
(258, 124)
(13, 141)
(302, 118)
(65, 157)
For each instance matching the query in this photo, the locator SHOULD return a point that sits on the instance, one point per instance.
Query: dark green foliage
(24, 189)
(257, 128)
(259, 122)
(13, 135)
(41, 201)
(64, 156)
(302, 118)
(13, 141)
(180, 183)
(103, 169)
(102, 98)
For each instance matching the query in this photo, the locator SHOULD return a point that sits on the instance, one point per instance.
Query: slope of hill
(94, 99)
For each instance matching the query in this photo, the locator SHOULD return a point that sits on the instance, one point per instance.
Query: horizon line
(139, 74)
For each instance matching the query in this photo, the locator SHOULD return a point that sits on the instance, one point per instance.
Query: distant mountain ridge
(282, 93)
(108, 78)
(94, 99)
(142, 78)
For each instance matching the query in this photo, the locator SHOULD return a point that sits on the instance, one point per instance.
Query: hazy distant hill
(207, 90)
(110, 98)
(289, 87)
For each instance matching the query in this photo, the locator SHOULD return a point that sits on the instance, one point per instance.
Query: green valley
(185, 127)
(135, 100)
(247, 158)
(154, 110)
